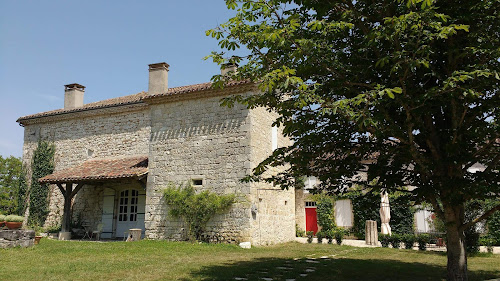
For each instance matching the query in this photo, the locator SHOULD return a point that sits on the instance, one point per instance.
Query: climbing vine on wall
(42, 164)
(325, 211)
(366, 206)
(196, 209)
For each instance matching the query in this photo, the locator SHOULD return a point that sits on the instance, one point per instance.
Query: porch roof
(101, 169)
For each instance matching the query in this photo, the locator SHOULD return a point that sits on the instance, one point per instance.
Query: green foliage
(409, 240)
(366, 206)
(413, 83)
(395, 240)
(22, 193)
(493, 222)
(42, 164)
(2, 218)
(310, 235)
(195, 209)
(384, 239)
(487, 241)
(325, 213)
(422, 240)
(339, 234)
(299, 232)
(14, 218)
(10, 172)
(53, 229)
(319, 236)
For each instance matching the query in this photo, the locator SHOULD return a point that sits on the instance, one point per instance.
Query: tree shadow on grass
(330, 269)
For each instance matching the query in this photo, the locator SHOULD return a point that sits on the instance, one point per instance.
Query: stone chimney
(73, 96)
(228, 67)
(158, 78)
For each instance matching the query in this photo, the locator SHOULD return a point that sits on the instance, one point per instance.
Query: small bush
(408, 240)
(299, 232)
(319, 236)
(196, 209)
(329, 235)
(53, 228)
(310, 235)
(395, 240)
(14, 218)
(488, 241)
(422, 240)
(384, 240)
(2, 217)
(471, 241)
(339, 234)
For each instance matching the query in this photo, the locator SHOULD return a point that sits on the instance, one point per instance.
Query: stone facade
(190, 138)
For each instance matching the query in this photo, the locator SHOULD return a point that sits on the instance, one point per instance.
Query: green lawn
(160, 260)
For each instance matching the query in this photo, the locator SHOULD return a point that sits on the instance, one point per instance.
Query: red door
(311, 220)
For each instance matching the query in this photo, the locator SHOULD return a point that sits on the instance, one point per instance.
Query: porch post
(68, 194)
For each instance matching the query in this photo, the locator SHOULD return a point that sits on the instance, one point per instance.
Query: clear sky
(103, 45)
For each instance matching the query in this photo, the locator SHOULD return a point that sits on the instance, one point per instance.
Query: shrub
(395, 240)
(2, 217)
(329, 235)
(53, 228)
(319, 236)
(310, 235)
(299, 232)
(488, 241)
(339, 235)
(384, 239)
(325, 211)
(471, 241)
(195, 209)
(408, 240)
(422, 240)
(14, 218)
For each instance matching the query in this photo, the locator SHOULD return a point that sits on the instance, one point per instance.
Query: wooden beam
(66, 219)
(77, 188)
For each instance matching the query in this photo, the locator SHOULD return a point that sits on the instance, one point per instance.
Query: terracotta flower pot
(37, 239)
(14, 225)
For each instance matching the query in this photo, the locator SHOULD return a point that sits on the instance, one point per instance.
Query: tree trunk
(457, 258)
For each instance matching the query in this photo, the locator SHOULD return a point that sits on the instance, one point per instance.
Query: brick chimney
(228, 67)
(158, 78)
(73, 96)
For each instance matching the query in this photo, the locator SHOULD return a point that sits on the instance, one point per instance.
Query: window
(197, 182)
(310, 204)
(309, 183)
(274, 137)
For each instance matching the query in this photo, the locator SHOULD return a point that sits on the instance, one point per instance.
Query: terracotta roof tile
(101, 169)
(131, 99)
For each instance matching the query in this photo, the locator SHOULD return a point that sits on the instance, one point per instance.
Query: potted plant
(2, 220)
(14, 221)
(319, 236)
(310, 235)
(339, 235)
(422, 240)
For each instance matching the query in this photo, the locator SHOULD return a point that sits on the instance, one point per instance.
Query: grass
(160, 260)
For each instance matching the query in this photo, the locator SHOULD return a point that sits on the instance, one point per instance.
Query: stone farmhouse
(114, 157)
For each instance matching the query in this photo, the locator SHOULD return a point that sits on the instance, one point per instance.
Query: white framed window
(274, 138)
(310, 204)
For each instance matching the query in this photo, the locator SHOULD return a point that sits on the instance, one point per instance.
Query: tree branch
(478, 219)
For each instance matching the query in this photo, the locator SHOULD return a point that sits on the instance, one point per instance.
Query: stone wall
(275, 218)
(82, 137)
(199, 140)
(16, 238)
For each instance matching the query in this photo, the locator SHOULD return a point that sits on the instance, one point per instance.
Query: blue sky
(103, 45)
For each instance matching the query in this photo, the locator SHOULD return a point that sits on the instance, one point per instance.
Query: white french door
(130, 212)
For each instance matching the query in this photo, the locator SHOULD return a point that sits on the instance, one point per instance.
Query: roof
(101, 169)
(132, 99)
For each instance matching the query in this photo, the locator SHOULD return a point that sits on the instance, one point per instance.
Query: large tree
(10, 176)
(405, 90)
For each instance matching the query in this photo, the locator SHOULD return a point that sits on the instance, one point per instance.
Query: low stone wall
(15, 238)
